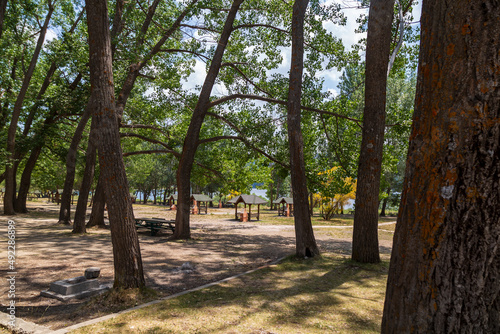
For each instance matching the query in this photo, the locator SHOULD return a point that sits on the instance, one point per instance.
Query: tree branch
(241, 138)
(154, 141)
(233, 65)
(273, 100)
(186, 51)
(143, 126)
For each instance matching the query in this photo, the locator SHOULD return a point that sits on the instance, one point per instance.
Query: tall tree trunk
(384, 203)
(445, 264)
(88, 178)
(24, 186)
(126, 251)
(10, 175)
(365, 234)
(99, 203)
(65, 209)
(182, 229)
(305, 241)
(8, 92)
(3, 7)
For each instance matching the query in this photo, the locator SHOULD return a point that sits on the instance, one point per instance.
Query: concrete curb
(22, 326)
(114, 315)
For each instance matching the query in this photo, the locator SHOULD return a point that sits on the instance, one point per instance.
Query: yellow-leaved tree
(335, 192)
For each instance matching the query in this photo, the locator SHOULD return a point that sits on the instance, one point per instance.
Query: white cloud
(347, 32)
(50, 35)
(197, 77)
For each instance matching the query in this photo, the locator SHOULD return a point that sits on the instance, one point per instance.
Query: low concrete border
(22, 326)
(29, 327)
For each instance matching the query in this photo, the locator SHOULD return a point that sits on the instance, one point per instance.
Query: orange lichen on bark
(450, 49)
(451, 175)
(466, 30)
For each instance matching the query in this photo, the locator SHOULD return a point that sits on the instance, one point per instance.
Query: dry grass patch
(328, 294)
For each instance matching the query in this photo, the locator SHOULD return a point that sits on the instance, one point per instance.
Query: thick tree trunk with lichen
(445, 264)
(182, 228)
(126, 251)
(365, 230)
(304, 236)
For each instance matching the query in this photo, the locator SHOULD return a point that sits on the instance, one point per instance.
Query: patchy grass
(4, 330)
(117, 300)
(391, 227)
(326, 294)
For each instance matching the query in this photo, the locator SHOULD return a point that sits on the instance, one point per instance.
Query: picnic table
(155, 224)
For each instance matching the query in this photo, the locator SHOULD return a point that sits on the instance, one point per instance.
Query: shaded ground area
(221, 247)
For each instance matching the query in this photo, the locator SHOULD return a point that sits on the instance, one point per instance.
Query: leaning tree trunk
(304, 236)
(384, 203)
(126, 251)
(88, 178)
(24, 186)
(3, 7)
(65, 210)
(365, 230)
(10, 172)
(182, 229)
(98, 206)
(445, 265)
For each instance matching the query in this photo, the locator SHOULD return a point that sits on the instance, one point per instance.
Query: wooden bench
(155, 224)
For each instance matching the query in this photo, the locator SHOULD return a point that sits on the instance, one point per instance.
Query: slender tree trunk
(10, 175)
(182, 229)
(97, 214)
(445, 264)
(65, 210)
(8, 92)
(24, 186)
(311, 203)
(3, 7)
(126, 251)
(365, 231)
(271, 194)
(384, 203)
(88, 178)
(305, 241)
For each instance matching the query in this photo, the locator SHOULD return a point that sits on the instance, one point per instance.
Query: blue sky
(331, 77)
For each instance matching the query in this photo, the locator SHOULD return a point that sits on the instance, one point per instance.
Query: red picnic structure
(247, 200)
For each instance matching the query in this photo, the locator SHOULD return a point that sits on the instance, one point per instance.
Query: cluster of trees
(111, 85)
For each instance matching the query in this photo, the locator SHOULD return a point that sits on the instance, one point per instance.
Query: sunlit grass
(327, 294)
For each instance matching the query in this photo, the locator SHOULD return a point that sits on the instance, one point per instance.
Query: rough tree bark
(365, 231)
(126, 251)
(445, 264)
(10, 175)
(182, 229)
(304, 236)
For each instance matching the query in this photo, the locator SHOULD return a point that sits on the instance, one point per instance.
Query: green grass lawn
(330, 294)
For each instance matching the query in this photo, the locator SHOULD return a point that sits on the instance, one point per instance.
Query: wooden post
(235, 210)
(195, 207)
(249, 211)
(258, 212)
(244, 217)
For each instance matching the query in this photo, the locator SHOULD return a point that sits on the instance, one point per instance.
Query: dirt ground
(221, 247)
